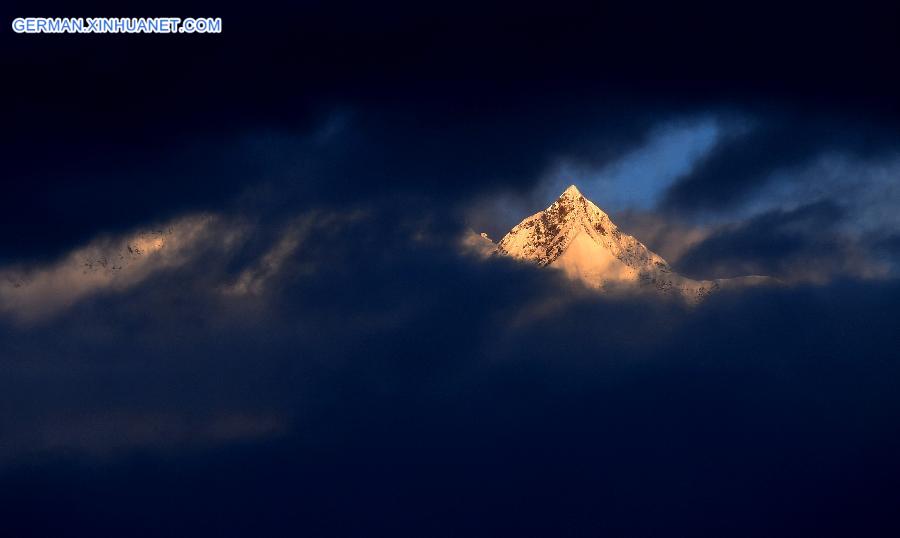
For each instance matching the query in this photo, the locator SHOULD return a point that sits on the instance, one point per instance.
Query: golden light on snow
(575, 236)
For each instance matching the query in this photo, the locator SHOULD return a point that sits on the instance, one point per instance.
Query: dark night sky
(313, 355)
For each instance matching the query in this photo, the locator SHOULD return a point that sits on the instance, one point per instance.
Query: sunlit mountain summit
(577, 237)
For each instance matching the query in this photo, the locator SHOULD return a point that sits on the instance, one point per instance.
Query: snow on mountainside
(577, 237)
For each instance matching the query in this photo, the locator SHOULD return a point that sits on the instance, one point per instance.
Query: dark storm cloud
(400, 390)
(888, 246)
(745, 159)
(342, 370)
(803, 244)
(105, 132)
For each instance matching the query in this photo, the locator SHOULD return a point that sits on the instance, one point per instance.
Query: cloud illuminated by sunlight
(108, 264)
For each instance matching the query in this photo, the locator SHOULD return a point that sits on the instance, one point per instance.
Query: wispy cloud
(110, 264)
(638, 178)
(292, 237)
(109, 432)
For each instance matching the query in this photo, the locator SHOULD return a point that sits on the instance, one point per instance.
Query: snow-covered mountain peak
(577, 237)
(571, 199)
(571, 191)
(545, 236)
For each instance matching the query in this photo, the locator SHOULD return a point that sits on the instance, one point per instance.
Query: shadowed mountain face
(576, 236)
